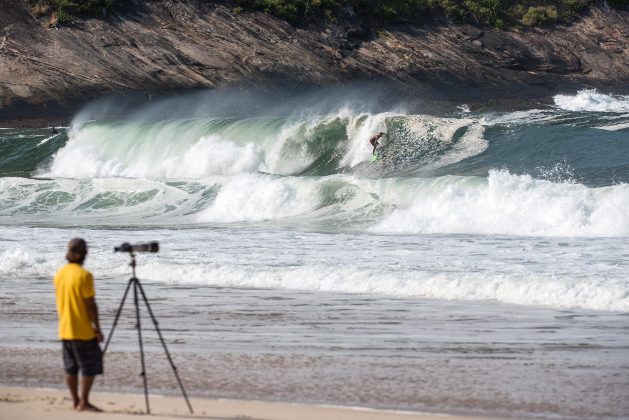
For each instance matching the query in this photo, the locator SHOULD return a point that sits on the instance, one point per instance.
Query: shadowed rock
(157, 47)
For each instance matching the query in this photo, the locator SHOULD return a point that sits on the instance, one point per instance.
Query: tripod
(133, 281)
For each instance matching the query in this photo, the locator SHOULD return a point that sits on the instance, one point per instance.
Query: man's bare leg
(73, 384)
(86, 386)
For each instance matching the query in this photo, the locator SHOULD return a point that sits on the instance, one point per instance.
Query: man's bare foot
(88, 407)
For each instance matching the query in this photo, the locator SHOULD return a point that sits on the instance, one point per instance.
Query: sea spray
(593, 101)
(359, 132)
(512, 205)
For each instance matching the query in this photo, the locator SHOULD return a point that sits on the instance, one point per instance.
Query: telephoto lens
(146, 247)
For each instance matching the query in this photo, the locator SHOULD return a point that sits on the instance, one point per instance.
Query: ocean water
(480, 266)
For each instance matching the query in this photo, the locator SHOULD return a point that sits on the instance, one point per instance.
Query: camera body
(145, 247)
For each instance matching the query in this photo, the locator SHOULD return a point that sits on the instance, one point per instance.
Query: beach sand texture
(48, 404)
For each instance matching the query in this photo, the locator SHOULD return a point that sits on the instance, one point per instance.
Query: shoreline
(54, 404)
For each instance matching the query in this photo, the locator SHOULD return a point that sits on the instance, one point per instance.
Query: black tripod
(138, 287)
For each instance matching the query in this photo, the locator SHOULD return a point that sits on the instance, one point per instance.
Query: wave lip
(590, 100)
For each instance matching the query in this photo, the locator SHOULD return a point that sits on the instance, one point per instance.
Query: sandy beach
(51, 404)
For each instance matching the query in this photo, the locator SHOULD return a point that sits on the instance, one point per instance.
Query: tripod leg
(113, 327)
(161, 338)
(136, 284)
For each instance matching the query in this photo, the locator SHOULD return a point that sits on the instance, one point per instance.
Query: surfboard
(47, 139)
(374, 157)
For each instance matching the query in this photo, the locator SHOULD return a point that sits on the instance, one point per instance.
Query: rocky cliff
(170, 45)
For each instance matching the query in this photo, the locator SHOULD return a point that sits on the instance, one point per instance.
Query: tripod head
(133, 249)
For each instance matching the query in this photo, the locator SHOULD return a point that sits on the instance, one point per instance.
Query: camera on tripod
(138, 295)
(146, 247)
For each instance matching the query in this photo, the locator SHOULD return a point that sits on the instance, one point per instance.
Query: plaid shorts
(85, 355)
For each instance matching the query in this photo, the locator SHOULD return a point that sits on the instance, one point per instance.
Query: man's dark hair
(77, 250)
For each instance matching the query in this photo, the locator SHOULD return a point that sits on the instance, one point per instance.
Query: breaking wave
(527, 173)
(514, 205)
(592, 100)
(574, 289)
(284, 146)
(502, 203)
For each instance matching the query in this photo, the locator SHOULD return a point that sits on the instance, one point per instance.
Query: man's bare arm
(92, 310)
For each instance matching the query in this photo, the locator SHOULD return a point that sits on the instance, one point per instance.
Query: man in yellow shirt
(79, 328)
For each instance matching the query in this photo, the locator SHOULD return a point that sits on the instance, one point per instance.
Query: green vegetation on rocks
(498, 13)
(63, 11)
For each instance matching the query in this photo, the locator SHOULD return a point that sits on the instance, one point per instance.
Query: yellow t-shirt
(73, 284)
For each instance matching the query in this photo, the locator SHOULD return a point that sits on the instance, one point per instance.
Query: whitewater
(489, 218)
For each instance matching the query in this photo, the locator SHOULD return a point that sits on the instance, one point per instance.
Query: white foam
(592, 100)
(528, 290)
(13, 261)
(254, 197)
(413, 134)
(615, 127)
(42, 259)
(95, 201)
(532, 116)
(512, 205)
(211, 156)
(502, 204)
(87, 157)
(471, 144)
(570, 273)
(464, 108)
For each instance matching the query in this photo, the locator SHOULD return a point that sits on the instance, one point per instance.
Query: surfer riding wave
(374, 141)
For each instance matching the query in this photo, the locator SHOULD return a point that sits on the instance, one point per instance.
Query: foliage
(540, 15)
(65, 10)
(40, 10)
(498, 13)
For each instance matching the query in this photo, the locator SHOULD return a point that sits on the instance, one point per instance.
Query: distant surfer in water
(374, 141)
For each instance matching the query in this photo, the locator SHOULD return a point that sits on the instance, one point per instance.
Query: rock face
(181, 44)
